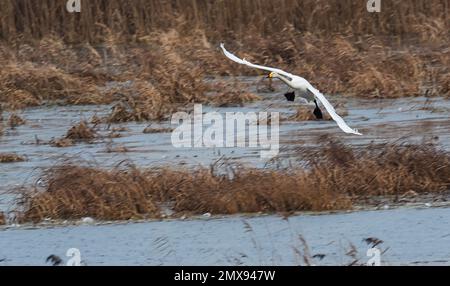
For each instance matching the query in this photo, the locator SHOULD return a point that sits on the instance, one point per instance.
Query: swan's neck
(284, 79)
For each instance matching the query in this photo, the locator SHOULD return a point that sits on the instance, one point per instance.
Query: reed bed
(24, 84)
(335, 177)
(75, 192)
(136, 19)
(168, 48)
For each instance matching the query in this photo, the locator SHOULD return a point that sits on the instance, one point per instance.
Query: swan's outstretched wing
(244, 62)
(340, 122)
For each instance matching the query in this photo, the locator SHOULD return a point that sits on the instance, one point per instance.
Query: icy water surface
(410, 237)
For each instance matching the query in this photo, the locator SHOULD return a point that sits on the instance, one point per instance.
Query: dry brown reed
(234, 98)
(334, 178)
(62, 142)
(15, 120)
(74, 192)
(81, 132)
(134, 20)
(228, 95)
(306, 113)
(2, 218)
(168, 49)
(153, 130)
(139, 102)
(112, 135)
(10, 158)
(116, 149)
(24, 85)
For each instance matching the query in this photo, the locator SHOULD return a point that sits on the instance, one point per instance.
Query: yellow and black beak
(270, 75)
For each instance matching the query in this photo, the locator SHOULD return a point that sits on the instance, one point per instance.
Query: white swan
(299, 84)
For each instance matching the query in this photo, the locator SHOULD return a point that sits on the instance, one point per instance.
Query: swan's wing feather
(340, 122)
(247, 63)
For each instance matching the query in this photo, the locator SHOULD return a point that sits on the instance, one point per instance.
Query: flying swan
(300, 85)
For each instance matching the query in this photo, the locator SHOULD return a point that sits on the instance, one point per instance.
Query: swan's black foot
(290, 96)
(318, 113)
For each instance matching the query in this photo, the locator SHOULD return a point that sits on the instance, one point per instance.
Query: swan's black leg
(317, 112)
(290, 96)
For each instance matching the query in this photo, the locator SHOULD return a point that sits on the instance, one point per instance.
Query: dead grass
(306, 113)
(74, 192)
(81, 132)
(62, 143)
(167, 50)
(154, 130)
(112, 135)
(110, 148)
(230, 94)
(26, 84)
(233, 98)
(15, 121)
(334, 178)
(10, 158)
(444, 88)
(2, 218)
(134, 20)
(140, 101)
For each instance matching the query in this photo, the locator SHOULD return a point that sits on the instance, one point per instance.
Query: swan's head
(272, 75)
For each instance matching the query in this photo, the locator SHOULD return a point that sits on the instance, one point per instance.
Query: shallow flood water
(386, 120)
(265, 240)
(410, 237)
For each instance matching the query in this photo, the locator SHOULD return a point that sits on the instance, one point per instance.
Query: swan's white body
(300, 84)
